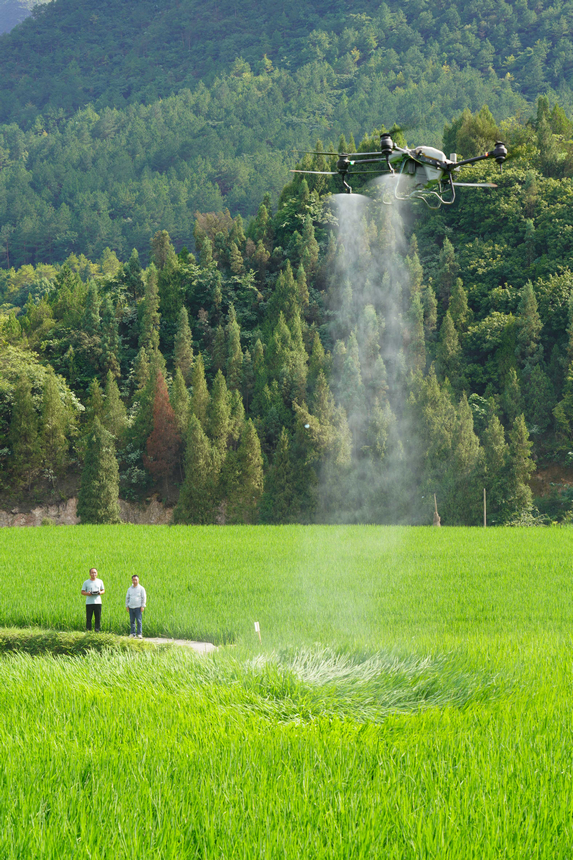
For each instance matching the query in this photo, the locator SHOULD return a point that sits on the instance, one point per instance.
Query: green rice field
(412, 695)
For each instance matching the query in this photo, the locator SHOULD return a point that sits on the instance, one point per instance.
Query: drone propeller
(314, 152)
(319, 172)
(475, 184)
(337, 154)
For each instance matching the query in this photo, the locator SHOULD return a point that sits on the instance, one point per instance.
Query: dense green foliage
(128, 53)
(400, 703)
(364, 357)
(123, 121)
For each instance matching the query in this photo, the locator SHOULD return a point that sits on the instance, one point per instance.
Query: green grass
(411, 698)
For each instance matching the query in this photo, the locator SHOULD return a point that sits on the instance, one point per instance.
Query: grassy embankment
(411, 697)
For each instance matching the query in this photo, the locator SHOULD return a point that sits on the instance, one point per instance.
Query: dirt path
(202, 647)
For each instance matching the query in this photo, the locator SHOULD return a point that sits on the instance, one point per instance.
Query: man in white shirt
(92, 589)
(135, 601)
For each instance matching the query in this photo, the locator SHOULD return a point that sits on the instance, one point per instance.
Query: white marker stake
(258, 629)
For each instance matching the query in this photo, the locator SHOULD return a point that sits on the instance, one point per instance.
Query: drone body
(423, 173)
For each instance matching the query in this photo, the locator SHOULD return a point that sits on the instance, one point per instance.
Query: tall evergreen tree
(99, 491)
(164, 443)
(520, 467)
(279, 503)
(448, 352)
(242, 478)
(496, 452)
(150, 320)
(529, 327)
(24, 435)
(181, 403)
(91, 318)
(458, 306)
(114, 413)
(200, 396)
(198, 497)
(132, 276)
(183, 352)
(234, 368)
(448, 269)
(109, 339)
(219, 414)
(55, 425)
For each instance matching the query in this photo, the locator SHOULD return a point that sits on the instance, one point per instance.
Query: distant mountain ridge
(13, 12)
(118, 52)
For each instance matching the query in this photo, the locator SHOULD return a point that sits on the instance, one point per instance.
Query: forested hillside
(121, 118)
(180, 317)
(333, 360)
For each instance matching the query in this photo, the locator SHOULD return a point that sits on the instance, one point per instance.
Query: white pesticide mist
(369, 301)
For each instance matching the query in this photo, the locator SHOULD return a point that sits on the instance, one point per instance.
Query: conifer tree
(415, 270)
(302, 288)
(416, 347)
(539, 398)
(520, 467)
(149, 332)
(164, 443)
(95, 404)
(219, 352)
(141, 425)
(511, 396)
(206, 253)
(198, 497)
(237, 234)
(140, 370)
(236, 417)
(234, 355)
(200, 397)
(242, 478)
(458, 307)
(317, 362)
(99, 491)
(183, 352)
(54, 424)
(91, 318)
(248, 380)
(448, 269)
(496, 453)
(132, 276)
(24, 435)
(430, 305)
(162, 250)
(219, 414)
(352, 394)
(309, 247)
(114, 415)
(181, 403)
(529, 327)
(279, 503)
(448, 351)
(236, 263)
(464, 470)
(109, 339)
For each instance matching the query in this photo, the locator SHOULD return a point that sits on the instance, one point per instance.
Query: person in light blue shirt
(135, 601)
(92, 590)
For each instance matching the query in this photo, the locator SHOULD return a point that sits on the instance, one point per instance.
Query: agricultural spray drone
(423, 173)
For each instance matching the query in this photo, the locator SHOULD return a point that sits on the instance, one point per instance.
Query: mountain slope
(114, 52)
